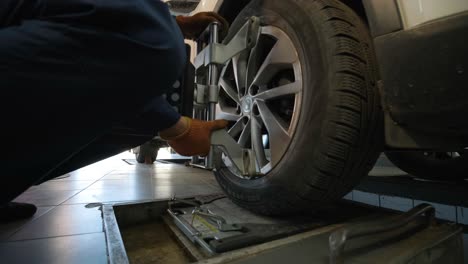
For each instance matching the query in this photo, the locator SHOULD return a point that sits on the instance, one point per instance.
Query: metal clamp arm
(243, 159)
(216, 53)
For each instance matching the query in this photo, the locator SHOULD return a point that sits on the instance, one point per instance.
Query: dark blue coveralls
(79, 79)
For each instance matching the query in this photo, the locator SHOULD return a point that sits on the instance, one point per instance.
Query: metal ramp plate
(211, 229)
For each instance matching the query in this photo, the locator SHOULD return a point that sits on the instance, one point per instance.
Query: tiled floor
(68, 227)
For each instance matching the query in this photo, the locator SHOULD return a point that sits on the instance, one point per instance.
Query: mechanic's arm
(188, 136)
(193, 26)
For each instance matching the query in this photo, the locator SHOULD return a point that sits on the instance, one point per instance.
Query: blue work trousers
(81, 80)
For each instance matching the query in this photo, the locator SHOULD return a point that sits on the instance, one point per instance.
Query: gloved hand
(193, 26)
(193, 137)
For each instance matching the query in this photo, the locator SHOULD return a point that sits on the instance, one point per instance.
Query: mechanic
(71, 71)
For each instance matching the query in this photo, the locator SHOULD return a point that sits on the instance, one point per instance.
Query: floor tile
(88, 248)
(126, 175)
(182, 175)
(211, 179)
(46, 197)
(367, 198)
(384, 167)
(63, 220)
(348, 196)
(64, 185)
(94, 171)
(380, 171)
(396, 203)
(8, 229)
(179, 169)
(164, 192)
(84, 175)
(178, 181)
(383, 161)
(462, 215)
(123, 184)
(111, 195)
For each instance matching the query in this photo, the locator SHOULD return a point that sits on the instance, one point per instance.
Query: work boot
(16, 211)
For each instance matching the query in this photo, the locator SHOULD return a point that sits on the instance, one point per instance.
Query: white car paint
(413, 12)
(417, 12)
(203, 6)
(208, 5)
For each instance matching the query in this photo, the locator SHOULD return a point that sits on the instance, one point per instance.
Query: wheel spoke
(253, 65)
(257, 142)
(222, 114)
(291, 88)
(239, 65)
(253, 78)
(237, 128)
(279, 136)
(245, 135)
(229, 90)
(282, 54)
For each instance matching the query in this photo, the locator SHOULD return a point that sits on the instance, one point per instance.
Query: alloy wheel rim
(261, 94)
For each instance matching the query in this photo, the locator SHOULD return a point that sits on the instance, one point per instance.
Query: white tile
(122, 184)
(396, 203)
(64, 185)
(348, 196)
(63, 220)
(88, 248)
(462, 215)
(164, 192)
(127, 176)
(442, 211)
(367, 198)
(386, 172)
(8, 229)
(41, 197)
(111, 195)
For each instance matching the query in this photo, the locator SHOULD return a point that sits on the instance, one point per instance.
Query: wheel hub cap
(247, 103)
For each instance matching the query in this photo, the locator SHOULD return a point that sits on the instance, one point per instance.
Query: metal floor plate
(251, 238)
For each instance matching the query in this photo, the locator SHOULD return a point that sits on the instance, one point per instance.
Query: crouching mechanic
(78, 77)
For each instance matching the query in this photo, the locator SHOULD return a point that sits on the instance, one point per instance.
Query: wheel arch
(230, 8)
(358, 7)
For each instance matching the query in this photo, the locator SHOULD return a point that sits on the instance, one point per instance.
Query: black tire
(431, 165)
(338, 134)
(149, 149)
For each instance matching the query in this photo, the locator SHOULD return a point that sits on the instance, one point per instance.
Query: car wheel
(432, 165)
(304, 99)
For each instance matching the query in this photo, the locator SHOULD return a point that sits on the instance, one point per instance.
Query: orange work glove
(195, 139)
(193, 26)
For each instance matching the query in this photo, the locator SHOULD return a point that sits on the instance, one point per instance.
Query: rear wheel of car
(445, 166)
(304, 99)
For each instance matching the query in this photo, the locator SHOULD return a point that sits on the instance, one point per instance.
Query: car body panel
(417, 12)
